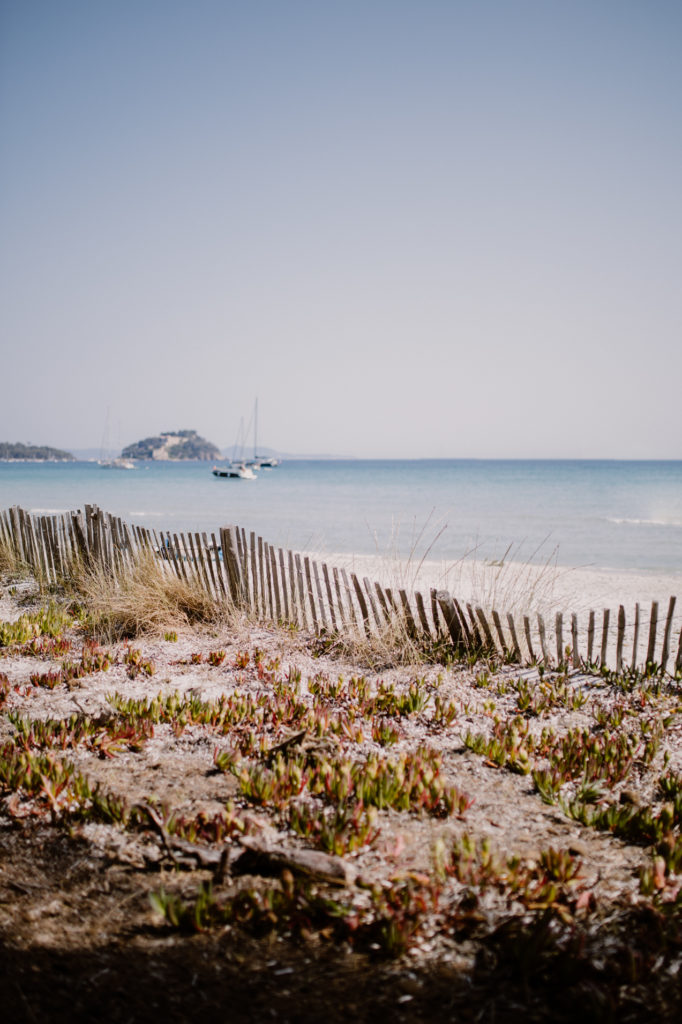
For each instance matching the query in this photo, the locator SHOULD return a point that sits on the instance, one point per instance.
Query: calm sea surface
(620, 515)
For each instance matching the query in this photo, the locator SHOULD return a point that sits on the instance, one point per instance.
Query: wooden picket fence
(288, 587)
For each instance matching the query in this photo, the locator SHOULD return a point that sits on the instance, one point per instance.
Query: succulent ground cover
(226, 823)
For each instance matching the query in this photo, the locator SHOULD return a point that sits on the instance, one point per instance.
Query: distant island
(32, 452)
(171, 446)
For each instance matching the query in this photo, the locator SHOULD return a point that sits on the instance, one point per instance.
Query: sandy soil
(81, 939)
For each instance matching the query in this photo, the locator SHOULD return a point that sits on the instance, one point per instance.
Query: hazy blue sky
(419, 228)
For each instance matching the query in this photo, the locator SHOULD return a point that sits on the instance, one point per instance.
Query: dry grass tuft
(145, 599)
(10, 563)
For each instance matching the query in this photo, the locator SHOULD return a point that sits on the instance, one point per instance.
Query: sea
(622, 515)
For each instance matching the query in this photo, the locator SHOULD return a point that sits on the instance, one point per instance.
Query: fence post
(228, 545)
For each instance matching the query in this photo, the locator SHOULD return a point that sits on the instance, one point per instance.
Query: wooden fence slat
(434, 613)
(262, 576)
(590, 638)
(209, 551)
(543, 639)
(451, 617)
(526, 629)
(293, 593)
(361, 601)
(383, 602)
(277, 608)
(666, 635)
(215, 548)
(311, 595)
(476, 638)
(349, 596)
(301, 591)
(371, 601)
(489, 642)
(678, 659)
(421, 612)
(289, 616)
(174, 555)
(407, 611)
(574, 639)
(653, 624)
(559, 634)
(320, 597)
(232, 563)
(330, 597)
(38, 532)
(344, 619)
(267, 573)
(500, 632)
(516, 647)
(604, 635)
(635, 638)
(620, 639)
(253, 552)
(246, 575)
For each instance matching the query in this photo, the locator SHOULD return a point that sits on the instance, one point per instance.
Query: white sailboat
(260, 461)
(238, 469)
(106, 463)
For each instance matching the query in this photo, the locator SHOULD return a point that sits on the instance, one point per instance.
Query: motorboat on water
(119, 463)
(235, 471)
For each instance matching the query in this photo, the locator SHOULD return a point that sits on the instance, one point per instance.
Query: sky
(410, 228)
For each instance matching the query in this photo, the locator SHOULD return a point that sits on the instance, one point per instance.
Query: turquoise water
(620, 515)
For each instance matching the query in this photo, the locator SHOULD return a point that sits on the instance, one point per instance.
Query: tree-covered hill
(173, 445)
(38, 453)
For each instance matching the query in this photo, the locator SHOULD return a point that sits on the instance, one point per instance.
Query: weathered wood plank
(574, 639)
(604, 636)
(653, 625)
(343, 617)
(421, 612)
(267, 572)
(590, 638)
(320, 597)
(371, 601)
(330, 596)
(361, 601)
(665, 650)
(480, 615)
(300, 592)
(407, 611)
(255, 581)
(497, 622)
(349, 597)
(276, 593)
(516, 647)
(635, 638)
(476, 638)
(311, 596)
(231, 563)
(529, 643)
(543, 639)
(620, 638)
(559, 634)
(288, 615)
(451, 617)
(262, 577)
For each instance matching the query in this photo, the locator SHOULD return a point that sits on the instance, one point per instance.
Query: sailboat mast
(255, 430)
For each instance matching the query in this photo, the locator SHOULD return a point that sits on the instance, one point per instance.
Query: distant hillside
(172, 446)
(38, 453)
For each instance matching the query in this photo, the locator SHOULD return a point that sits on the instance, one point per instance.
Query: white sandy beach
(524, 588)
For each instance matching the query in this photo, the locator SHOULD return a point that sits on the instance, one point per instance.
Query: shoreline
(519, 586)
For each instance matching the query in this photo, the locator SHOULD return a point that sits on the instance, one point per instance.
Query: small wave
(48, 511)
(644, 522)
(150, 515)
